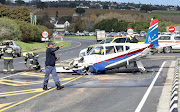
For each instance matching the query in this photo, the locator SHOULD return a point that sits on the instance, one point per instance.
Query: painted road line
(24, 83)
(6, 108)
(139, 107)
(33, 74)
(62, 64)
(5, 104)
(12, 93)
(10, 75)
(9, 84)
(20, 62)
(68, 61)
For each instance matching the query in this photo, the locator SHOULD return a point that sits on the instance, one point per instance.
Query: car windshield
(10, 43)
(107, 40)
(122, 40)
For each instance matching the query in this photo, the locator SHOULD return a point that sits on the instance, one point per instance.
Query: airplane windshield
(98, 50)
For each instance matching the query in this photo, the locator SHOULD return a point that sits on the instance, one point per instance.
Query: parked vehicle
(143, 34)
(17, 49)
(124, 39)
(167, 43)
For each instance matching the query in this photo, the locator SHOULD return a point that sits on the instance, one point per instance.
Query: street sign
(44, 39)
(171, 29)
(130, 31)
(45, 34)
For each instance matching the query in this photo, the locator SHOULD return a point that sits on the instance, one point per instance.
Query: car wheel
(167, 49)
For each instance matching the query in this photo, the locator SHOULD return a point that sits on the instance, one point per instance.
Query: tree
(9, 2)
(21, 13)
(146, 8)
(72, 5)
(41, 5)
(109, 24)
(20, 2)
(3, 1)
(4, 11)
(80, 11)
(178, 8)
(9, 29)
(45, 21)
(65, 18)
(105, 7)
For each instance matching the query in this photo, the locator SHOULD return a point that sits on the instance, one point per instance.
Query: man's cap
(50, 43)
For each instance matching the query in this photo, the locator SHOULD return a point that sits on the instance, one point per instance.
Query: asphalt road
(119, 90)
(64, 53)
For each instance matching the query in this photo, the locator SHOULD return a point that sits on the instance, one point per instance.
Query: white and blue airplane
(115, 55)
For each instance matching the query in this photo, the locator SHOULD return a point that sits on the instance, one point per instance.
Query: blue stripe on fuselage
(100, 67)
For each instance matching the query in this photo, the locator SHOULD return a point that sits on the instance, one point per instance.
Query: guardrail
(174, 94)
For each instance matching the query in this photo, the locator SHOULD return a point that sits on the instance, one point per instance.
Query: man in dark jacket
(134, 39)
(50, 66)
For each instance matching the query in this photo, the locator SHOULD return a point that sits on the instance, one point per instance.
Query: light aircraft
(115, 55)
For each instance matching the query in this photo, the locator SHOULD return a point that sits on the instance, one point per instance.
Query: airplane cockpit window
(98, 50)
(119, 48)
(127, 48)
(110, 50)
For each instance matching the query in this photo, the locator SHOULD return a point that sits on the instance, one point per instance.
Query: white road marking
(21, 62)
(138, 109)
(10, 76)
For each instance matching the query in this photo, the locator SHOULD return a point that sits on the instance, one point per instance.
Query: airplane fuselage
(115, 55)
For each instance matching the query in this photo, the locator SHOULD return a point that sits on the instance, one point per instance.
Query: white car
(17, 49)
(167, 43)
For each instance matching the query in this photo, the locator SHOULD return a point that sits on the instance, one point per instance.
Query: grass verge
(38, 46)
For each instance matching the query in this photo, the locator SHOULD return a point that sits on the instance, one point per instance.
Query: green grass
(85, 37)
(38, 46)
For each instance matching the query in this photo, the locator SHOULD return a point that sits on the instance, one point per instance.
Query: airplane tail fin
(152, 36)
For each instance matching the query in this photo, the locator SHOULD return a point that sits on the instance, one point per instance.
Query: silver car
(16, 47)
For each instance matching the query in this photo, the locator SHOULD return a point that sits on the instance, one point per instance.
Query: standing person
(50, 66)
(8, 58)
(134, 39)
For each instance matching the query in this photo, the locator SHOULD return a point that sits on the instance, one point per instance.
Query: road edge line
(139, 107)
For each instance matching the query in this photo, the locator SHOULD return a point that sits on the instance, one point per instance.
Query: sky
(153, 2)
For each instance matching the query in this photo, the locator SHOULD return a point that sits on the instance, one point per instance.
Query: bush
(31, 32)
(9, 29)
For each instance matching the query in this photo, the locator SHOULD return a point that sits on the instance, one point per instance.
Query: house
(61, 26)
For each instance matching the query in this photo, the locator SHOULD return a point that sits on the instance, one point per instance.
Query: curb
(174, 94)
